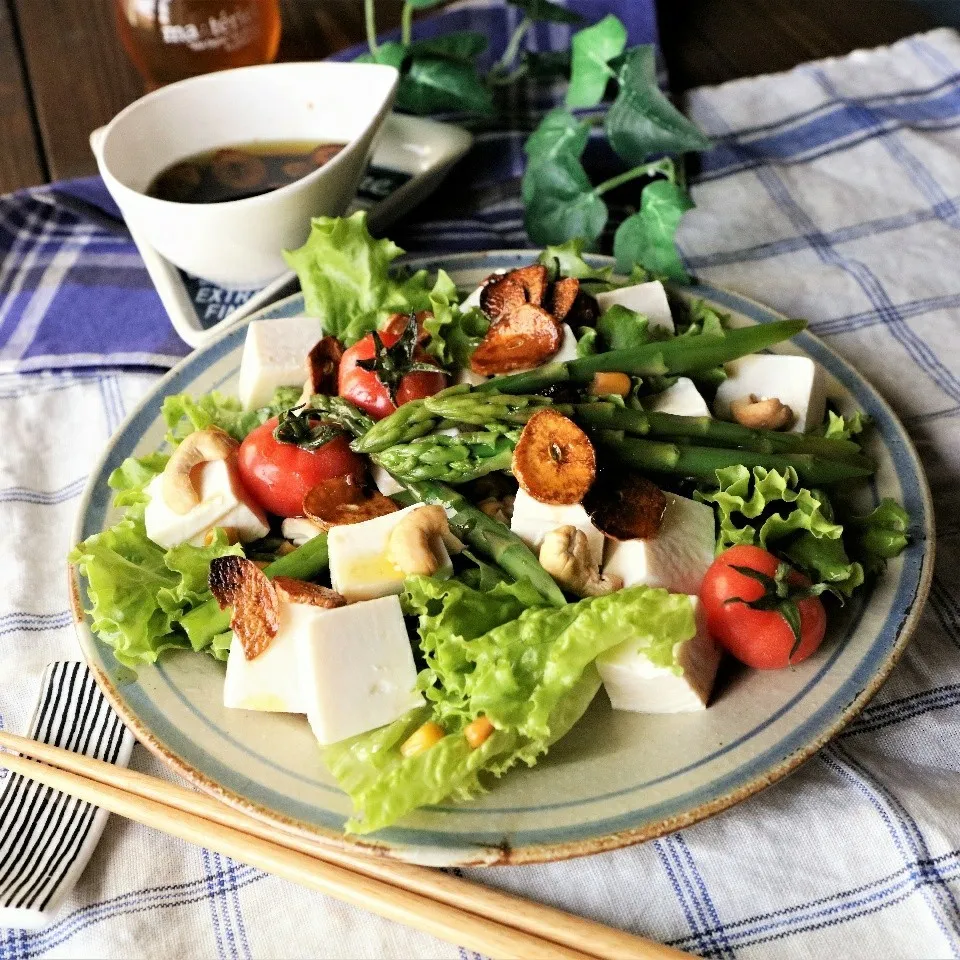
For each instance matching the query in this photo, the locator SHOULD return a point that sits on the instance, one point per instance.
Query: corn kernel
(477, 731)
(422, 739)
(605, 384)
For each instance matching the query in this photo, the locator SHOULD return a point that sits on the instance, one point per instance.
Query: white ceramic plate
(617, 778)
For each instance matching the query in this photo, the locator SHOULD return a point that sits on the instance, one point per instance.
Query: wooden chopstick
(453, 909)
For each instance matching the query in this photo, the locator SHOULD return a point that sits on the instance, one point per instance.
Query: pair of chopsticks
(479, 918)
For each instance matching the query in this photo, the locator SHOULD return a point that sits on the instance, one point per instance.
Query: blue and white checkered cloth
(833, 194)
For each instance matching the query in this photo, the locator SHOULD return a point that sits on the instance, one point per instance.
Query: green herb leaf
(423, 4)
(391, 364)
(434, 84)
(304, 428)
(647, 237)
(544, 10)
(845, 428)
(642, 121)
(593, 49)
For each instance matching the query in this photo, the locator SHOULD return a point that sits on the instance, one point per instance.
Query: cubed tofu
(634, 683)
(682, 399)
(359, 568)
(356, 667)
(795, 381)
(275, 355)
(650, 299)
(270, 681)
(676, 558)
(223, 503)
(384, 482)
(533, 520)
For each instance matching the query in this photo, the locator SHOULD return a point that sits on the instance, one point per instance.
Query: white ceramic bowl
(238, 243)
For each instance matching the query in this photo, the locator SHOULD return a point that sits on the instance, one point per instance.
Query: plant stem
(512, 48)
(406, 23)
(371, 23)
(664, 166)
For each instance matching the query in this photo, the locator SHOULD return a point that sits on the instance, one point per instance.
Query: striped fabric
(47, 837)
(832, 194)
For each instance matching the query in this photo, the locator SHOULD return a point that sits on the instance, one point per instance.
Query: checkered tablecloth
(832, 193)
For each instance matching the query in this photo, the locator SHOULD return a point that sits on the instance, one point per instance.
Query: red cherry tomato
(758, 638)
(279, 475)
(364, 389)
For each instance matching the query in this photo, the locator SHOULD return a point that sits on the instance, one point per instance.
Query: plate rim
(507, 855)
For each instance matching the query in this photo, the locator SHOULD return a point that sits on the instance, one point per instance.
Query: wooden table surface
(63, 72)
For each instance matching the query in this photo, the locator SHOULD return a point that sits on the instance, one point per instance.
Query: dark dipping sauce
(236, 173)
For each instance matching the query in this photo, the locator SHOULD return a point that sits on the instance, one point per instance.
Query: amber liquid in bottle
(171, 39)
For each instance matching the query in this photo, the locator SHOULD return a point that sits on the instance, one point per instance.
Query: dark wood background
(63, 72)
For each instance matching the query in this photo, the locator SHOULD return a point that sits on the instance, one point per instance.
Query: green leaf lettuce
(528, 669)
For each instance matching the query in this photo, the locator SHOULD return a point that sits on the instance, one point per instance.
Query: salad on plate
(437, 527)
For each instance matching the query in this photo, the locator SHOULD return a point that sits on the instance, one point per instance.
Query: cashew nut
(767, 414)
(202, 446)
(300, 530)
(565, 555)
(412, 542)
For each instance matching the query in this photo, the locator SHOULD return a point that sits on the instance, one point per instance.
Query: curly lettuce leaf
(623, 329)
(771, 510)
(531, 674)
(846, 428)
(346, 278)
(184, 413)
(131, 478)
(566, 260)
(139, 592)
(880, 536)
(454, 333)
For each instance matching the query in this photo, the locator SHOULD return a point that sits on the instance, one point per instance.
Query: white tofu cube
(359, 568)
(682, 400)
(271, 681)
(795, 381)
(275, 355)
(223, 503)
(568, 346)
(650, 299)
(356, 667)
(634, 683)
(469, 377)
(533, 520)
(676, 558)
(384, 482)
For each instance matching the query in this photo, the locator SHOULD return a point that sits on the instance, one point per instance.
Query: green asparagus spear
(508, 411)
(454, 459)
(489, 537)
(703, 462)
(660, 358)
(486, 535)
(203, 623)
(406, 423)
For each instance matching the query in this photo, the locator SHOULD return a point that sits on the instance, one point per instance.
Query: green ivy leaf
(642, 121)
(436, 84)
(561, 202)
(390, 54)
(424, 4)
(465, 45)
(593, 49)
(560, 134)
(546, 11)
(647, 237)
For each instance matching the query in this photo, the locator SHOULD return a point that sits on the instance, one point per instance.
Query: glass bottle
(168, 40)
